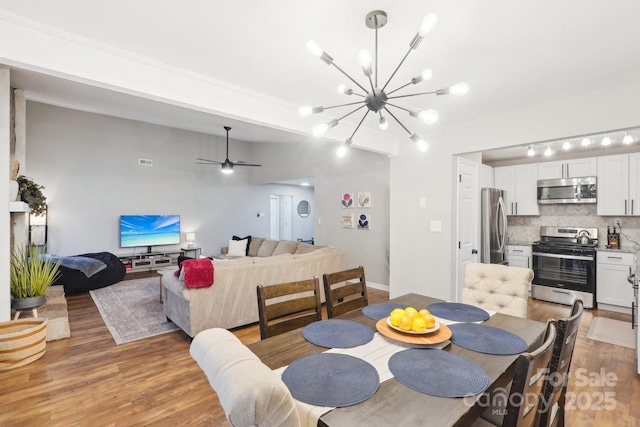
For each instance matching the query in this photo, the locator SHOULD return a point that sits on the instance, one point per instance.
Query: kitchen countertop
(518, 243)
(624, 249)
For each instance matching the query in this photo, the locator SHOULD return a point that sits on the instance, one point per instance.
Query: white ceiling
(512, 53)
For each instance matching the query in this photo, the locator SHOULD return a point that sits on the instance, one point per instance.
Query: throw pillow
(248, 239)
(254, 247)
(267, 247)
(285, 247)
(237, 248)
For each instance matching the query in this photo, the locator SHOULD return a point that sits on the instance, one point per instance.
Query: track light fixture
(606, 141)
(378, 100)
(628, 139)
(585, 141)
(530, 151)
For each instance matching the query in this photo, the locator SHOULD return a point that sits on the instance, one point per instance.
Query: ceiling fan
(227, 165)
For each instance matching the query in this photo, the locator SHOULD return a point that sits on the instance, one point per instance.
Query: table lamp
(191, 237)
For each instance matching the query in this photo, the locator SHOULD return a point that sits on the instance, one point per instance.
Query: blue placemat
(329, 379)
(438, 373)
(382, 310)
(337, 333)
(486, 339)
(458, 312)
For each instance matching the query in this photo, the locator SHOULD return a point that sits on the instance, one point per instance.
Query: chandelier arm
(397, 68)
(373, 88)
(349, 77)
(398, 107)
(358, 127)
(434, 92)
(396, 119)
(350, 113)
(343, 105)
(401, 87)
(376, 71)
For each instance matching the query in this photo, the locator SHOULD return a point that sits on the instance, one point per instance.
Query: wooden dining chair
(555, 388)
(520, 407)
(287, 306)
(345, 291)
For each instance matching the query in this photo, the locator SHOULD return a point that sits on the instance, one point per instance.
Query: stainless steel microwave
(567, 190)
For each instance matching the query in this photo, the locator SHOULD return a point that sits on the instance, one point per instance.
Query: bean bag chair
(80, 275)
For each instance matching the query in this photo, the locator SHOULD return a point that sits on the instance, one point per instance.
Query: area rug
(132, 310)
(612, 331)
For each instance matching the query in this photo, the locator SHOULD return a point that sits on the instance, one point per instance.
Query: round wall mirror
(304, 208)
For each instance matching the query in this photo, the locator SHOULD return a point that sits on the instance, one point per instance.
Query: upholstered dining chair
(345, 291)
(555, 388)
(497, 287)
(287, 306)
(250, 393)
(519, 408)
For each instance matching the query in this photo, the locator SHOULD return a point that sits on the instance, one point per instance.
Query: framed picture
(347, 200)
(364, 199)
(364, 221)
(347, 220)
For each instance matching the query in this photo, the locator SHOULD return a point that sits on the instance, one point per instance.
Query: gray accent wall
(88, 164)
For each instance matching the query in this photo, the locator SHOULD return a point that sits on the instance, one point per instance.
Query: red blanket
(198, 273)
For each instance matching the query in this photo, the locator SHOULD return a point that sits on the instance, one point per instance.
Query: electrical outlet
(617, 222)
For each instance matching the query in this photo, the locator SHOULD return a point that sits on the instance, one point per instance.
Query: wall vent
(145, 162)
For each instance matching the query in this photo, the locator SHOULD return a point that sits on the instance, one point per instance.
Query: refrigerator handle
(503, 211)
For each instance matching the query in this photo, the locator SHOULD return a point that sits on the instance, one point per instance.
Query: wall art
(364, 221)
(347, 200)
(347, 220)
(364, 199)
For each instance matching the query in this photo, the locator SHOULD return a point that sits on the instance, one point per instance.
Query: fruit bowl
(426, 331)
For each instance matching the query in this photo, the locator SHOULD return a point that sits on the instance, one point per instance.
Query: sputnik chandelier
(377, 99)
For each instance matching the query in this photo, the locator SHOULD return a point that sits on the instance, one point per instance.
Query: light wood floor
(87, 380)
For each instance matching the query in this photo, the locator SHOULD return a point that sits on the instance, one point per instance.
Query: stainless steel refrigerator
(493, 226)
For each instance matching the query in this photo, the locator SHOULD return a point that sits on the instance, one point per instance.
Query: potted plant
(31, 274)
(31, 194)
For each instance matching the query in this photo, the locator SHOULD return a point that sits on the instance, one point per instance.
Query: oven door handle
(586, 258)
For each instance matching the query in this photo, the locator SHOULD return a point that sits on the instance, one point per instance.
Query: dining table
(395, 404)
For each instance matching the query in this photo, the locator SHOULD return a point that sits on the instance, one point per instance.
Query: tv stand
(150, 260)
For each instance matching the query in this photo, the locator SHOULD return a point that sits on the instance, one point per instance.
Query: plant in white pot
(31, 274)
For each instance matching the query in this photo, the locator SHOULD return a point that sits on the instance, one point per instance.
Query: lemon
(430, 321)
(395, 317)
(419, 324)
(405, 323)
(410, 311)
(423, 313)
(397, 310)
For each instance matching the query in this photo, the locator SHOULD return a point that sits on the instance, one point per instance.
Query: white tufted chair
(497, 287)
(249, 392)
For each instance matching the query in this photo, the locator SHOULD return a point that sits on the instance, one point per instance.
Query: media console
(150, 261)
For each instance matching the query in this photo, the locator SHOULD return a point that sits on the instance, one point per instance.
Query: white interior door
(274, 217)
(286, 212)
(467, 218)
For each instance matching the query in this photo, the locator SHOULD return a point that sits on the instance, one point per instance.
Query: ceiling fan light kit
(227, 165)
(377, 99)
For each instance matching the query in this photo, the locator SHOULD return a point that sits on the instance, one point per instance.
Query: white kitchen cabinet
(619, 184)
(520, 183)
(520, 256)
(612, 287)
(567, 168)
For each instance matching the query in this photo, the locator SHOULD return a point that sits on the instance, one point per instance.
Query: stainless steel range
(564, 264)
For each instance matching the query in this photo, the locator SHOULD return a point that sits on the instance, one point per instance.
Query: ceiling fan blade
(245, 164)
(207, 161)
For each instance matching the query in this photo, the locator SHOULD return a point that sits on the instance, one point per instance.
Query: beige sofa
(232, 301)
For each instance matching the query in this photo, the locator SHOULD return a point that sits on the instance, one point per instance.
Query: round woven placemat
(337, 333)
(382, 310)
(486, 339)
(438, 373)
(329, 379)
(458, 312)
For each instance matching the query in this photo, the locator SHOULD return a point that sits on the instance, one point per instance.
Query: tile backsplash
(526, 229)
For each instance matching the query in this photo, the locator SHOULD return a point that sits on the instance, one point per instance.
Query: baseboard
(378, 286)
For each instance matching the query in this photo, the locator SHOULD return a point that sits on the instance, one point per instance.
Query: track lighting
(566, 146)
(530, 151)
(548, 151)
(628, 139)
(606, 141)
(585, 141)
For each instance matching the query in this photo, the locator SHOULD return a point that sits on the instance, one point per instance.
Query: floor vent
(145, 162)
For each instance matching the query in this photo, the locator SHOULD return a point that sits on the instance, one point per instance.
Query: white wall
(88, 164)
(423, 261)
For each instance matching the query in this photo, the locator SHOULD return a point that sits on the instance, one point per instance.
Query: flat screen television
(149, 230)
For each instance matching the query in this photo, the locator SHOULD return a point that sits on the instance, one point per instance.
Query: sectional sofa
(232, 301)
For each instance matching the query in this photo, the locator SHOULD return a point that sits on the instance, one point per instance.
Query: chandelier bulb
(421, 144)
(314, 48)
(530, 151)
(426, 74)
(342, 90)
(459, 89)
(342, 151)
(585, 141)
(628, 139)
(319, 130)
(304, 111)
(606, 140)
(428, 23)
(567, 145)
(383, 123)
(428, 116)
(365, 59)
